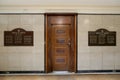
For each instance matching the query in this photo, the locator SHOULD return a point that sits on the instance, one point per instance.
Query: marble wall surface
(22, 58)
(98, 57)
(31, 58)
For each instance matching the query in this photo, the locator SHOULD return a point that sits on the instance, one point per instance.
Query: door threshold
(62, 72)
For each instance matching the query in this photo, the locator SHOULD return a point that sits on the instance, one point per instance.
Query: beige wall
(22, 57)
(32, 57)
(98, 57)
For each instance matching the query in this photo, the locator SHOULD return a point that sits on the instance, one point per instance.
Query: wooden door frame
(46, 38)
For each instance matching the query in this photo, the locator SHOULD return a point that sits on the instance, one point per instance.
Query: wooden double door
(60, 42)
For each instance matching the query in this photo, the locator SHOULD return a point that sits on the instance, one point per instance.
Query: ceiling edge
(58, 8)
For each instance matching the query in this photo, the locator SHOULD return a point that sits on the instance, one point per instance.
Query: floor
(63, 77)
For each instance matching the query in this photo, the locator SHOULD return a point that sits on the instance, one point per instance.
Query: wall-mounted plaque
(102, 37)
(18, 37)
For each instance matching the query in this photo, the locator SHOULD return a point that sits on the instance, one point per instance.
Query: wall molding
(59, 9)
(78, 71)
(98, 71)
(20, 72)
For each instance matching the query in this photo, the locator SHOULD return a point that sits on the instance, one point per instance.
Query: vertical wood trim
(75, 47)
(46, 58)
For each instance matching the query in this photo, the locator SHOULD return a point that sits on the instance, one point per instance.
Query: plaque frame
(18, 37)
(101, 37)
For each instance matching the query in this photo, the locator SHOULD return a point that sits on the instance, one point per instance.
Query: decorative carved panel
(60, 40)
(60, 50)
(18, 37)
(102, 37)
(60, 31)
(60, 60)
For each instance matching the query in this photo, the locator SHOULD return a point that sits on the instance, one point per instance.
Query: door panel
(60, 40)
(60, 43)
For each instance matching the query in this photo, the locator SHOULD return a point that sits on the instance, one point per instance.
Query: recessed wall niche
(18, 37)
(102, 37)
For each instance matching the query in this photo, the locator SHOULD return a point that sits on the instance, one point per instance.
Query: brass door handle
(69, 43)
